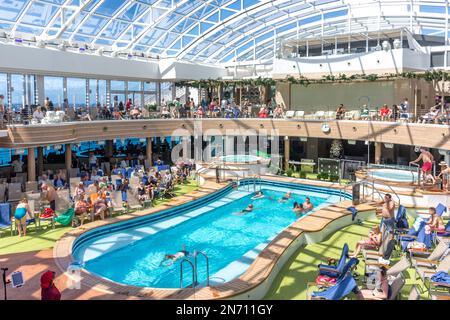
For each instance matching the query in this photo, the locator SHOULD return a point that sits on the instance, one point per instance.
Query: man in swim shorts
(308, 206)
(427, 159)
(388, 212)
(174, 257)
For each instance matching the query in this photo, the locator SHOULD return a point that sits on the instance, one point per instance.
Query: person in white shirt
(17, 165)
(92, 160)
(38, 114)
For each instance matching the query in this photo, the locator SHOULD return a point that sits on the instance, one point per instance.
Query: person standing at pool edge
(427, 165)
(388, 212)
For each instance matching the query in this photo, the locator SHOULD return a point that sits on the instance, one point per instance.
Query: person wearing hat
(444, 176)
(48, 288)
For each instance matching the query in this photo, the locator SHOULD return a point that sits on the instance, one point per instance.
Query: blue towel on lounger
(341, 289)
(441, 277)
(354, 211)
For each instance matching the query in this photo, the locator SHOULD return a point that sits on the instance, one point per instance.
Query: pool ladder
(194, 268)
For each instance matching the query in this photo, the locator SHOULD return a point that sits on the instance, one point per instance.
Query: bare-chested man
(388, 212)
(427, 159)
(444, 176)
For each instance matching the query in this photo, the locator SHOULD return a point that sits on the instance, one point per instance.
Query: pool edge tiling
(258, 272)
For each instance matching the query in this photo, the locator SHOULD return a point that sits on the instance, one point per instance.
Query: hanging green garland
(429, 76)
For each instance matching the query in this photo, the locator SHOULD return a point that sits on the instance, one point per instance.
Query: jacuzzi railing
(371, 184)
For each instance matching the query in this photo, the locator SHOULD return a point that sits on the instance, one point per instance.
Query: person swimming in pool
(258, 195)
(174, 257)
(307, 205)
(249, 208)
(298, 207)
(286, 197)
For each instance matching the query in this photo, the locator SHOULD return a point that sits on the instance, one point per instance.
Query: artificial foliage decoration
(429, 76)
(336, 149)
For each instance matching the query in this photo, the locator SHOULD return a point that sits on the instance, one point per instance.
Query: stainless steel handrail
(193, 272)
(196, 253)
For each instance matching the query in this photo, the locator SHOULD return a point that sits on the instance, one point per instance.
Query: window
(92, 92)
(17, 91)
(4, 87)
(76, 92)
(134, 86)
(102, 92)
(53, 89)
(117, 85)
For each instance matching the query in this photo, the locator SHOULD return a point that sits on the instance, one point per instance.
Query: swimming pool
(131, 252)
(240, 158)
(394, 175)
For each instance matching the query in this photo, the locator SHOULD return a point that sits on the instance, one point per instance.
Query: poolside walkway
(34, 263)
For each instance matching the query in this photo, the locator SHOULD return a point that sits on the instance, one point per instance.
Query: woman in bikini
(374, 241)
(435, 222)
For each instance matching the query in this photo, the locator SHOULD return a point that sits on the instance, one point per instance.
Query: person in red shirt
(263, 112)
(385, 112)
(48, 288)
(128, 105)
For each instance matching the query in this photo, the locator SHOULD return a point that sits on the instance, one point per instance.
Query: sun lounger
(14, 191)
(133, 202)
(330, 270)
(116, 201)
(340, 290)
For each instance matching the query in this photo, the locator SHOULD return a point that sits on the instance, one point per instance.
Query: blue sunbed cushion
(441, 277)
(354, 211)
(440, 209)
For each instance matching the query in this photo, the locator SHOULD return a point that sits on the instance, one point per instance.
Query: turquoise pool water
(394, 175)
(239, 158)
(231, 241)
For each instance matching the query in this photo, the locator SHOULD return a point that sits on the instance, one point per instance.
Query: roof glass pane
(114, 29)
(133, 12)
(92, 25)
(39, 14)
(109, 7)
(10, 10)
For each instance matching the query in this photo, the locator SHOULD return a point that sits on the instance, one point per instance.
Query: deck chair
(14, 191)
(340, 290)
(414, 294)
(396, 287)
(299, 114)
(428, 258)
(402, 265)
(31, 186)
(117, 203)
(2, 192)
(426, 272)
(330, 270)
(5, 221)
(319, 115)
(62, 201)
(73, 183)
(133, 202)
(349, 266)
(371, 255)
(73, 172)
(134, 182)
(290, 114)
